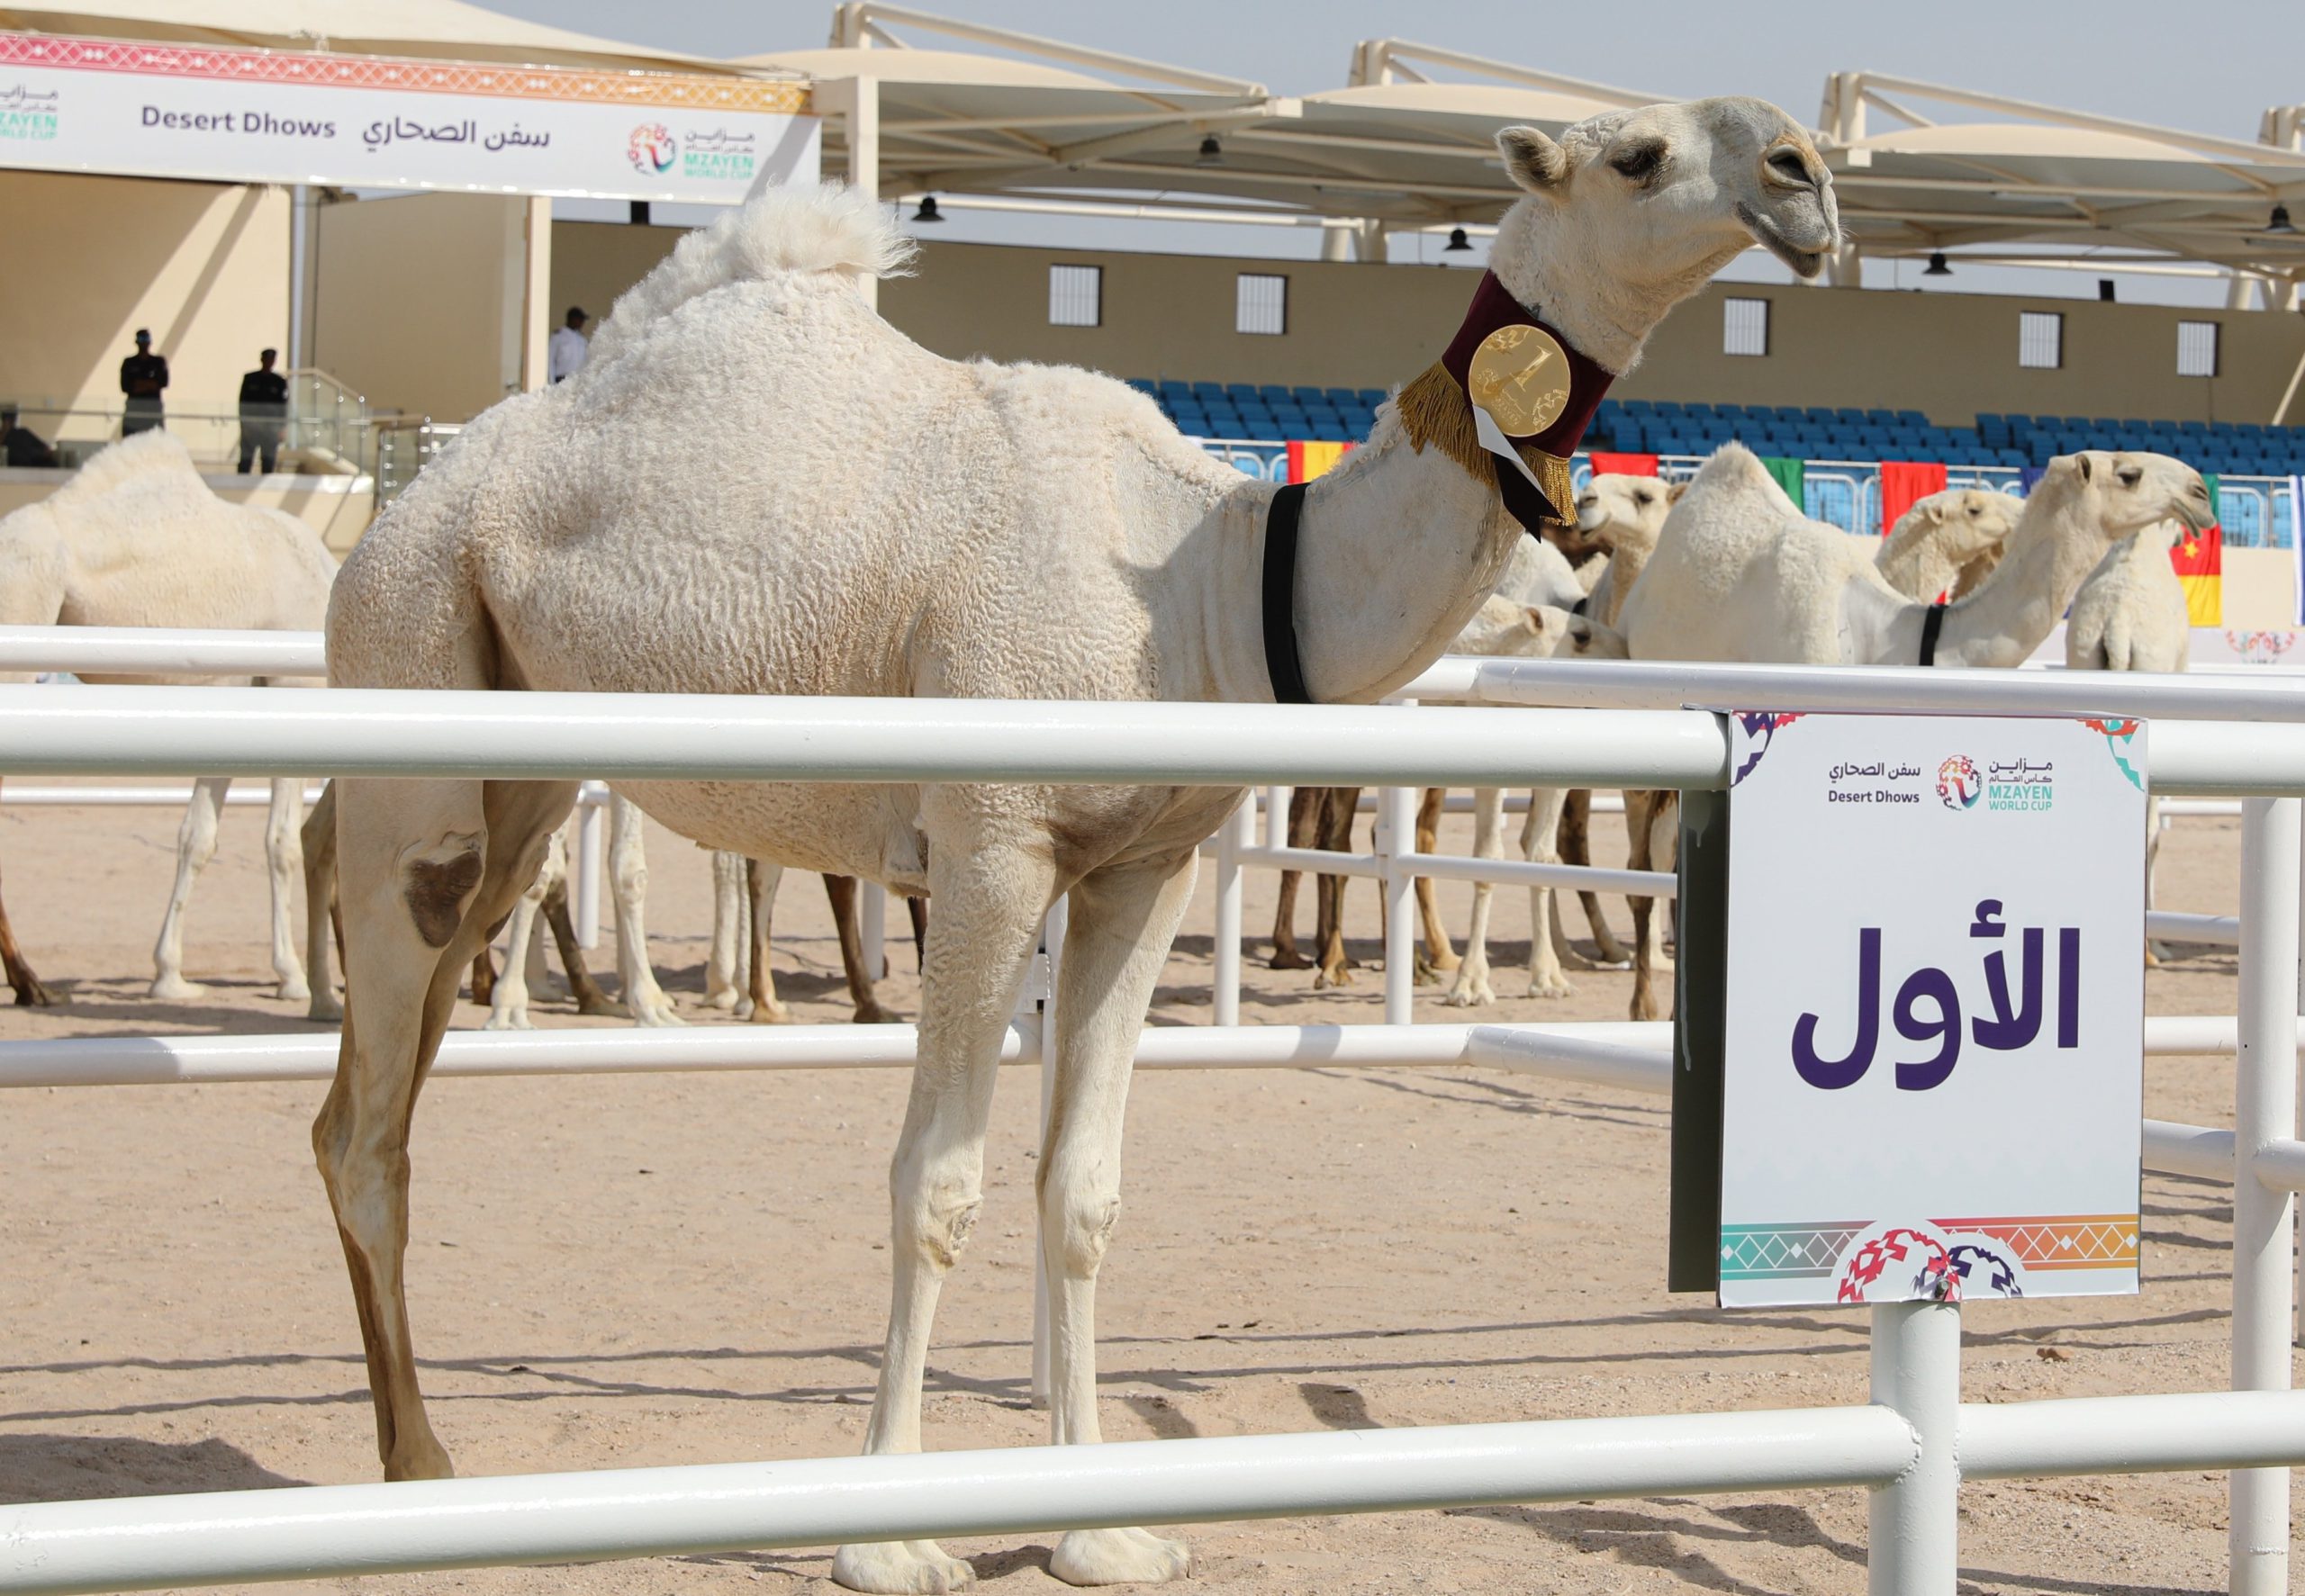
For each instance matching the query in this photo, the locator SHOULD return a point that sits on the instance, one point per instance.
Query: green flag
(1791, 476)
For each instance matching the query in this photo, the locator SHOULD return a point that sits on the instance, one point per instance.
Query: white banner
(373, 122)
(1935, 1009)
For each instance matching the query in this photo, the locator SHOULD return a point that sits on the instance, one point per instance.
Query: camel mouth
(1806, 264)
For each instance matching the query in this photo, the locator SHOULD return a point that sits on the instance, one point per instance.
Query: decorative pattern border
(322, 69)
(1811, 1251)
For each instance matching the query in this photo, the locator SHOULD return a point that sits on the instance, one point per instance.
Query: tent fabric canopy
(432, 28)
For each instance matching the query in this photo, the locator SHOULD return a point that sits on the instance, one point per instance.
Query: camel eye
(1646, 497)
(1640, 162)
(2132, 476)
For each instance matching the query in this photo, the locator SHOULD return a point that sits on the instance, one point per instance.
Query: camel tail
(829, 227)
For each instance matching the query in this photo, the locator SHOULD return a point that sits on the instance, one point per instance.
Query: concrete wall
(85, 261)
(418, 305)
(338, 508)
(1948, 355)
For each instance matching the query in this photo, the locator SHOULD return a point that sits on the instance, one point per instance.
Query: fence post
(1045, 970)
(2263, 1217)
(1224, 978)
(592, 862)
(873, 929)
(1913, 1526)
(1397, 836)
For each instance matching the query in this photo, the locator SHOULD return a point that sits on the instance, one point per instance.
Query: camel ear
(1533, 160)
(1673, 491)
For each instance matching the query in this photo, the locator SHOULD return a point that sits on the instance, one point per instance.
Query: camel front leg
(582, 987)
(1123, 924)
(508, 996)
(1305, 805)
(628, 869)
(195, 846)
(2154, 953)
(318, 849)
(283, 856)
(1338, 805)
(1539, 845)
(426, 867)
(29, 993)
(724, 969)
(1576, 847)
(1649, 817)
(841, 891)
(990, 897)
(762, 878)
(1438, 958)
(1472, 989)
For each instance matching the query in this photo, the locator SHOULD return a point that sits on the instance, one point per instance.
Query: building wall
(418, 305)
(1948, 355)
(85, 261)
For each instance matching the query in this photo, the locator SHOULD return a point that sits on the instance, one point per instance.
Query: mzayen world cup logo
(651, 148)
(1958, 783)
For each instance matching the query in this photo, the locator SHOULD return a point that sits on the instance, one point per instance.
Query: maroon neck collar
(1495, 307)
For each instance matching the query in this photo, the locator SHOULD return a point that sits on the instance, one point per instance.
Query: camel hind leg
(841, 891)
(426, 867)
(1439, 959)
(1576, 847)
(284, 857)
(1540, 844)
(628, 869)
(195, 846)
(29, 990)
(321, 917)
(1304, 831)
(725, 978)
(762, 878)
(1472, 989)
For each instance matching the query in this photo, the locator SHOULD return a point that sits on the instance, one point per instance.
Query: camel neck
(2055, 545)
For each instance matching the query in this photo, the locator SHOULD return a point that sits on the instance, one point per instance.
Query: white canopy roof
(443, 28)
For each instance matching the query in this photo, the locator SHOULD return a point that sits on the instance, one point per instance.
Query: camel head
(1618, 512)
(1966, 522)
(2123, 493)
(1633, 211)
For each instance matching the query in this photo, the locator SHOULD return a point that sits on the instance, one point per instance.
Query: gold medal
(1520, 377)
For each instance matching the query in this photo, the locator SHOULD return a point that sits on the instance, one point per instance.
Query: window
(1076, 296)
(1744, 327)
(1262, 305)
(2040, 339)
(2196, 349)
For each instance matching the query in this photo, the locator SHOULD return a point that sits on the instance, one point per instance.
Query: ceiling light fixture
(1458, 243)
(1937, 266)
(1212, 153)
(928, 211)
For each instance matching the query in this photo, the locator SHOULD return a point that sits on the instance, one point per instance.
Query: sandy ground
(685, 1269)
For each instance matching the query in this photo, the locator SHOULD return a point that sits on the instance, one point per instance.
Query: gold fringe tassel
(1436, 411)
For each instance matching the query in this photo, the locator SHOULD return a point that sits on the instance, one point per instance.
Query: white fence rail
(1910, 1446)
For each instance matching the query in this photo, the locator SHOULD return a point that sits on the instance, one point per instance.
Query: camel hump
(829, 227)
(148, 454)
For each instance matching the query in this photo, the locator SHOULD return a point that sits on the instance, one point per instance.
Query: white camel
(1948, 543)
(1741, 574)
(2130, 615)
(643, 1000)
(926, 527)
(136, 538)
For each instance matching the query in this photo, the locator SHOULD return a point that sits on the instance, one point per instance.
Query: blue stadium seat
(1636, 407)
(1306, 396)
(1237, 391)
(1272, 392)
(1206, 391)
(1373, 397)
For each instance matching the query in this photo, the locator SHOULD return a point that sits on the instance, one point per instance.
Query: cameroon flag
(2199, 559)
(1308, 459)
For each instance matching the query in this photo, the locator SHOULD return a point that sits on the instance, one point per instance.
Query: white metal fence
(1910, 1446)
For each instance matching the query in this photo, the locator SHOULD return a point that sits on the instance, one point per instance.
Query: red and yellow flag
(2199, 559)
(1308, 458)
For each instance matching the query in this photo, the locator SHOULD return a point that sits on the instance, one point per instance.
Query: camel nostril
(1786, 165)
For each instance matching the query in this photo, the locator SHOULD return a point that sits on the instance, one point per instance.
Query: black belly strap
(1930, 624)
(1282, 663)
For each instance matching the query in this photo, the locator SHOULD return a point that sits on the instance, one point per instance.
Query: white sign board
(376, 122)
(1933, 1071)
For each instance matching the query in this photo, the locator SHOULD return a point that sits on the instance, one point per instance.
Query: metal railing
(1910, 1446)
(404, 446)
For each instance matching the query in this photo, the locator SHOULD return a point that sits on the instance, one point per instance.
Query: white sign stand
(1934, 1009)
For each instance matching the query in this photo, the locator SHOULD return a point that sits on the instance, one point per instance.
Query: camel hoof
(872, 1014)
(728, 1002)
(776, 1013)
(1612, 954)
(515, 1021)
(601, 1007)
(900, 1568)
(1340, 977)
(1472, 989)
(423, 1459)
(1446, 964)
(34, 995)
(1118, 1558)
(297, 990)
(325, 1008)
(1552, 986)
(175, 986)
(1288, 958)
(657, 1011)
